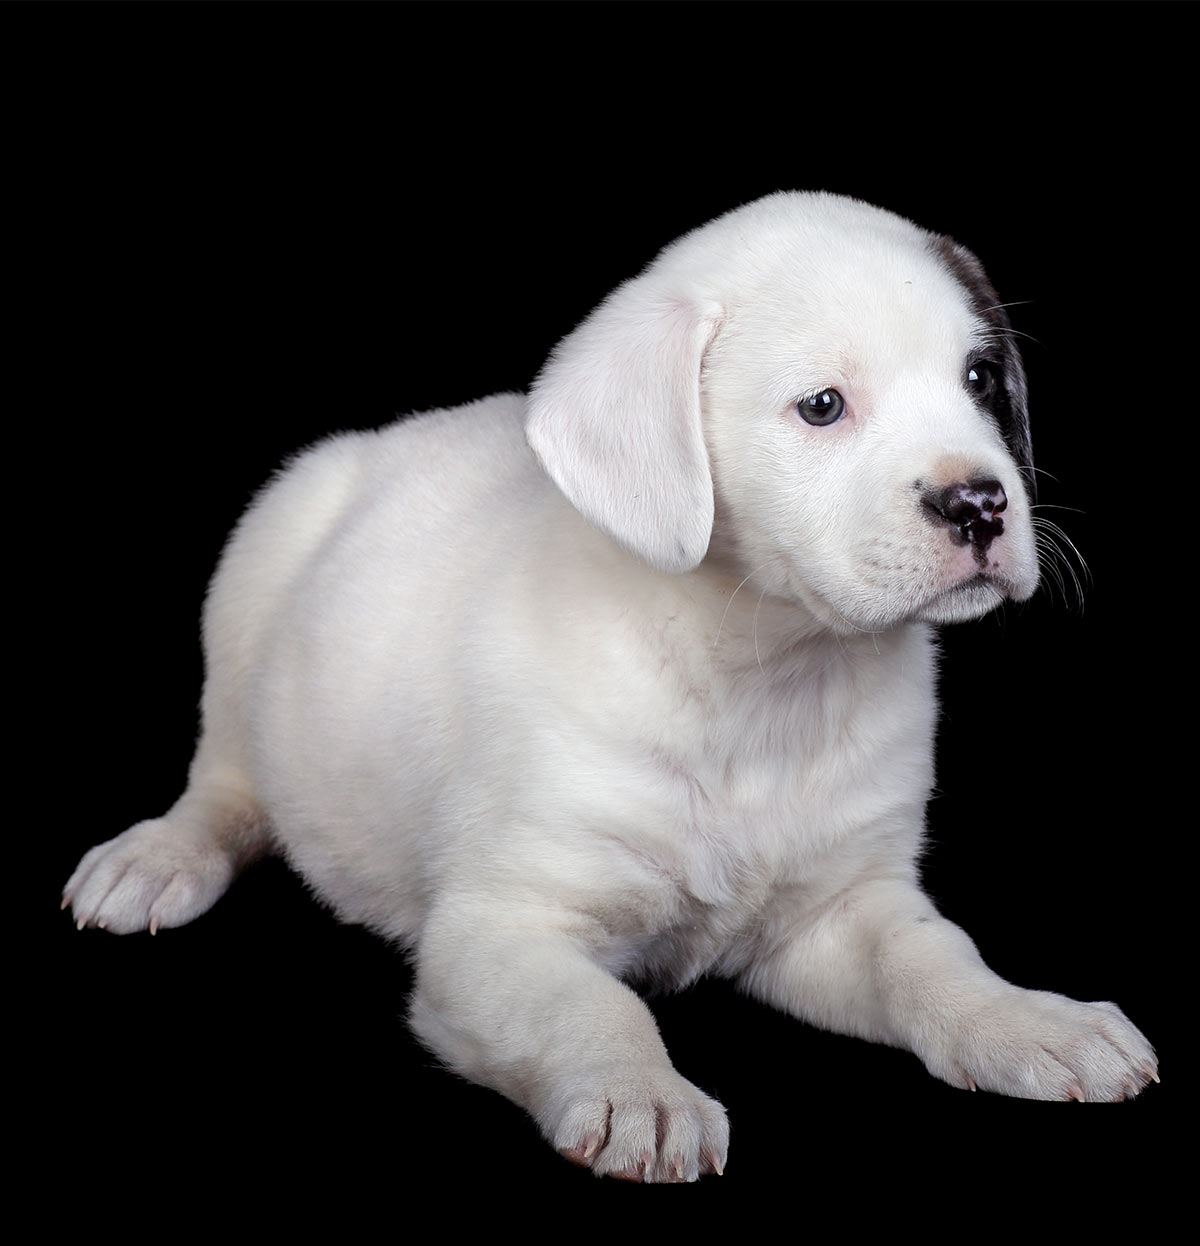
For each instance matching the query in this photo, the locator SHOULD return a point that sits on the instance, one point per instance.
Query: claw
(712, 1164)
(581, 1156)
(639, 1172)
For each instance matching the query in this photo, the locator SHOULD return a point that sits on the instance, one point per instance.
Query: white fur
(653, 698)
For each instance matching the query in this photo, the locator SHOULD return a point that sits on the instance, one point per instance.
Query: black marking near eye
(1007, 401)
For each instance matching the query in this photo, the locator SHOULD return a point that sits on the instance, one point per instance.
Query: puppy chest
(710, 837)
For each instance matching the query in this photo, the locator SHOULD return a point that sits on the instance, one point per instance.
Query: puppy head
(817, 392)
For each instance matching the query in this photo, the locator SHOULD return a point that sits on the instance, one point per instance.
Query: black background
(241, 228)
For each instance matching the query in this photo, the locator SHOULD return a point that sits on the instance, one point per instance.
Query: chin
(971, 599)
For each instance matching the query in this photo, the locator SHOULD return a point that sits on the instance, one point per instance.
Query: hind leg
(167, 871)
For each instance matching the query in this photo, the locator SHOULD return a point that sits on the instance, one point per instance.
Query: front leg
(880, 962)
(515, 997)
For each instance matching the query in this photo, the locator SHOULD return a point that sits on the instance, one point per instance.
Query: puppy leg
(166, 871)
(881, 963)
(515, 1000)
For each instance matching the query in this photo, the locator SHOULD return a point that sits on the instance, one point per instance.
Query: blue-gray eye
(823, 408)
(982, 379)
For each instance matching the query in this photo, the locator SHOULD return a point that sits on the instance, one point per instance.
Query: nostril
(991, 491)
(972, 507)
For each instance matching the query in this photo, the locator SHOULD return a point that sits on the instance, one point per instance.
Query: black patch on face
(1008, 402)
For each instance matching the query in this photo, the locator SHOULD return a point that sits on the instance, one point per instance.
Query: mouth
(983, 579)
(968, 598)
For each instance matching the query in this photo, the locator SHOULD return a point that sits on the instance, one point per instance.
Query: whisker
(862, 631)
(1053, 506)
(729, 603)
(1060, 556)
(757, 607)
(1038, 471)
(1050, 562)
(1011, 332)
(1058, 532)
(1014, 303)
(996, 332)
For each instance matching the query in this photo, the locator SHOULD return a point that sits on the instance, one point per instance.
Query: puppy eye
(982, 379)
(823, 408)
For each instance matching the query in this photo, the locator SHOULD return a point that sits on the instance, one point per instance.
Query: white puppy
(633, 679)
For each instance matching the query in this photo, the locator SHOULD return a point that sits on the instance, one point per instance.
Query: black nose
(972, 508)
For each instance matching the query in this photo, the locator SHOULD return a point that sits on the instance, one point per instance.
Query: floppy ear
(614, 419)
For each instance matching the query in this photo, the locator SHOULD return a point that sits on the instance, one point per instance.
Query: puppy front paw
(1039, 1045)
(636, 1125)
